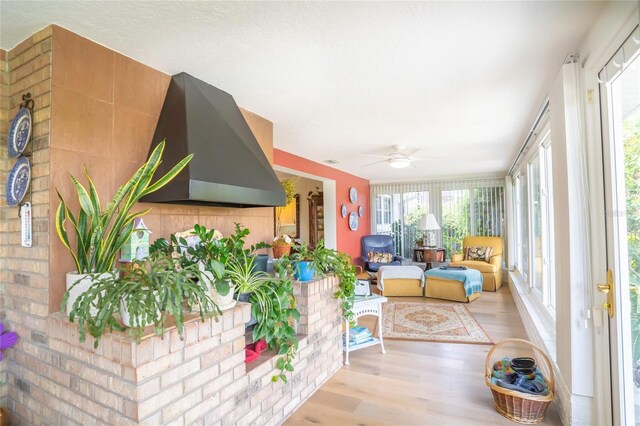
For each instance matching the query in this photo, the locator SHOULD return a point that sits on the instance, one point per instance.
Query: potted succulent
(281, 246)
(101, 232)
(150, 292)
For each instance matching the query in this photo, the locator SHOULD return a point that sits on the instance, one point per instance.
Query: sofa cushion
(479, 265)
(376, 257)
(478, 253)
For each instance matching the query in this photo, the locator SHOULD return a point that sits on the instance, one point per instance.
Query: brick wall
(24, 271)
(4, 163)
(199, 380)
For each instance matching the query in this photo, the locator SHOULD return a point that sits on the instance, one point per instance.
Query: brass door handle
(608, 290)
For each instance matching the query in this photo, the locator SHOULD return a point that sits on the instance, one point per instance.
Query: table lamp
(429, 223)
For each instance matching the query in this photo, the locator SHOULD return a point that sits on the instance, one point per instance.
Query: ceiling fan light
(399, 163)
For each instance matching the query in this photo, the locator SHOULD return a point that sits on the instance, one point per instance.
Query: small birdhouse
(137, 246)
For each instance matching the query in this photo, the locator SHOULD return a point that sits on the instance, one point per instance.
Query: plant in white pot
(101, 232)
(148, 293)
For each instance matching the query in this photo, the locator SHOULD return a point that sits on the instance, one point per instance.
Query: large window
(522, 226)
(456, 219)
(533, 211)
(461, 208)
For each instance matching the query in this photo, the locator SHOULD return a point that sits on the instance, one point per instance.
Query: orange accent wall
(348, 241)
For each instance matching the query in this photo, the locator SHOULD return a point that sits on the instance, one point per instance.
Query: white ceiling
(460, 81)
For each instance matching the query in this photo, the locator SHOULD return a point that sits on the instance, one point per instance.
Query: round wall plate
(353, 221)
(343, 210)
(18, 182)
(353, 194)
(19, 132)
(360, 211)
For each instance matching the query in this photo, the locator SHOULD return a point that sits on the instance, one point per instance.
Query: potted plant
(303, 262)
(274, 307)
(101, 232)
(333, 261)
(281, 246)
(246, 280)
(210, 254)
(151, 292)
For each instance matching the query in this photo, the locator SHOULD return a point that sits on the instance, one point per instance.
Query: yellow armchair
(492, 270)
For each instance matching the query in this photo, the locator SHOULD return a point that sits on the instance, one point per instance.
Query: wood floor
(419, 383)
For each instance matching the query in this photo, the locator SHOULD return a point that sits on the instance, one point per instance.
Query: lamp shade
(428, 222)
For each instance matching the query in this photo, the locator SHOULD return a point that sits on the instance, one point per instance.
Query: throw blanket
(402, 272)
(470, 278)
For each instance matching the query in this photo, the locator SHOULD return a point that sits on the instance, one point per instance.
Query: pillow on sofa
(478, 253)
(375, 257)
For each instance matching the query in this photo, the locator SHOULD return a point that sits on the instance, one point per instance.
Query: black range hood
(228, 167)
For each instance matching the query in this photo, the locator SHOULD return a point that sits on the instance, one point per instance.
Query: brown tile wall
(97, 108)
(104, 110)
(24, 271)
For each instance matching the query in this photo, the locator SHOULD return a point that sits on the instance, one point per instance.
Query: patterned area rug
(432, 322)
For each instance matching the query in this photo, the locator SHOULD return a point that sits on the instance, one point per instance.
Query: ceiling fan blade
(374, 163)
(435, 157)
(373, 155)
(410, 152)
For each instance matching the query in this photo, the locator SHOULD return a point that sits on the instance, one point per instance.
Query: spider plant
(101, 232)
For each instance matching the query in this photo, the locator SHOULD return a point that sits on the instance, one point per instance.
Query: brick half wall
(199, 380)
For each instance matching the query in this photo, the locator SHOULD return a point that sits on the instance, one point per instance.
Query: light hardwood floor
(419, 383)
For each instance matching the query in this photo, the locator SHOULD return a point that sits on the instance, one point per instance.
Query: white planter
(223, 302)
(127, 318)
(85, 281)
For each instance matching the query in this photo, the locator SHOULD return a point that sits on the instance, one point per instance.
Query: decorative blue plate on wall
(353, 221)
(360, 211)
(353, 194)
(18, 182)
(19, 132)
(343, 210)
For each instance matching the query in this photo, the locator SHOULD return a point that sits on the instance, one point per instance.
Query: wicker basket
(519, 406)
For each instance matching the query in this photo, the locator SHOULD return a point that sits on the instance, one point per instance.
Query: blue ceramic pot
(303, 270)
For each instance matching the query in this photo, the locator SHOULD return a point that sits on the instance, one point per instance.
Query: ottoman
(400, 281)
(453, 284)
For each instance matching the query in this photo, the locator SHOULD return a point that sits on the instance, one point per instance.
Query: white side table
(365, 305)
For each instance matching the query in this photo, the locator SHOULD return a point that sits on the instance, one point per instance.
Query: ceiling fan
(399, 158)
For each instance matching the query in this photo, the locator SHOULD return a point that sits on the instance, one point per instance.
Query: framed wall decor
(287, 219)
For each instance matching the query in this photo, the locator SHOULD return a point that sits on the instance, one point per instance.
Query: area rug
(432, 322)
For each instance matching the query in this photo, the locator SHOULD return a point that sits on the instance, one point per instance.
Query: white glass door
(621, 125)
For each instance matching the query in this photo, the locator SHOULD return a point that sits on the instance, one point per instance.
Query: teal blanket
(470, 278)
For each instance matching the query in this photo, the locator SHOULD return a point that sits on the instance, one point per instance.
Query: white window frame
(545, 298)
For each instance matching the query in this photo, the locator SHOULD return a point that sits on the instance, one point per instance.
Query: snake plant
(101, 233)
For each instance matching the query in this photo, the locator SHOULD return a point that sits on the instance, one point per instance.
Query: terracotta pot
(279, 251)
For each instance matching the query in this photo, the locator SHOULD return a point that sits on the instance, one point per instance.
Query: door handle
(608, 290)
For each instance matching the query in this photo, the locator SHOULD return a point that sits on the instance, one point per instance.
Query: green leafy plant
(333, 261)
(101, 233)
(274, 306)
(325, 261)
(242, 274)
(152, 290)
